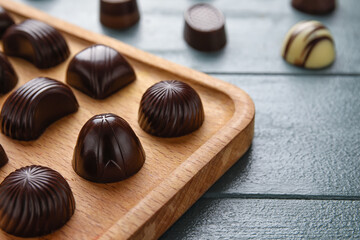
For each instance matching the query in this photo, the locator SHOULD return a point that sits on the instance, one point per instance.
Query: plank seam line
(280, 196)
(285, 74)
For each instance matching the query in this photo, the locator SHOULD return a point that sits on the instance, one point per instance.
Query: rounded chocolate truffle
(34, 201)
(317, 7)
(309, 44)
(107, 150)
(5, 21)
(8, 77)
(99, 71)
(3, 157)
(170, 109)
(204, 27)
(119, 14)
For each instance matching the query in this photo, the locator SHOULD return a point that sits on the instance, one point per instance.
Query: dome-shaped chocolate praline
(29, 110)
(3, 157)
(5, 21)
(170, 109)
(107, 150)
(99, 71)
(34, 201)
(8, 77)
(36, 42)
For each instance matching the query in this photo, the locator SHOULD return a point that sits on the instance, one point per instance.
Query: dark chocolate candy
(29, 110)
(5, 21)
(107, 150)
(3, 157)
(36, 42)
(99, 71)
(205, 27)
(317, 7)
(34, 201)
(119, 14)
(8, 77)
(170, 109)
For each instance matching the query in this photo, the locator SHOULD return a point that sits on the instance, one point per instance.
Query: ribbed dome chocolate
(170, 109)
(34, 201)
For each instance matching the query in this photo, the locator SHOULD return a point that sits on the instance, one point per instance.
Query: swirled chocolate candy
(3, 157)
(309, 44)
(205, 27)
(99, 71)
(170, 109)
(314, 6)
(29, 110)
(8, 77)
(107, 150)
(5, 21)
(36, 42)
(34, 201)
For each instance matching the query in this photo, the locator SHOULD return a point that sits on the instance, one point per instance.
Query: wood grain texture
(269, 219)
(176, 172)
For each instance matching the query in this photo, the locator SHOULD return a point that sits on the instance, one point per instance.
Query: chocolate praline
(3, 157)
(99, 71)
(29, 110)
(34, 201)
(8, 77)
(204, 27)
(5, 21)
(36, 42)
(309, 44)
(107, 150)
(170, 109)
(317, 7)
(119, 14)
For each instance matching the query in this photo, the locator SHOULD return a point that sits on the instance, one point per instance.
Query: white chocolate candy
(309, 44)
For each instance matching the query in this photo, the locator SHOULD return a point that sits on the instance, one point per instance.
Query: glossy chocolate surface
(119, 14)
(205, 27)
(29, 110)
(107, 150)
(3, 157)
(99, 71)
(34, 201)
(5, 21)
(170, 109)
(8, 77)
(317, 7)
(36, 42)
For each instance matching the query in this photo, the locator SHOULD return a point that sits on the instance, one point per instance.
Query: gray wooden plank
(268, 219)
(255, 32)
(307, 139)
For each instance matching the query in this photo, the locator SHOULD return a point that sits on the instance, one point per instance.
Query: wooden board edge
(165, 204)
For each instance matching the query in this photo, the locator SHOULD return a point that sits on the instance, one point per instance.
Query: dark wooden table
(301, 177)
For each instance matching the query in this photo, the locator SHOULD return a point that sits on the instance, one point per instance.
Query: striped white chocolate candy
(309, 44)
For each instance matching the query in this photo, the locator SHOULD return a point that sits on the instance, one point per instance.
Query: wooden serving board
(177, 171)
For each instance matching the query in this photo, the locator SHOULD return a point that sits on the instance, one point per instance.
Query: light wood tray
(177, 171)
